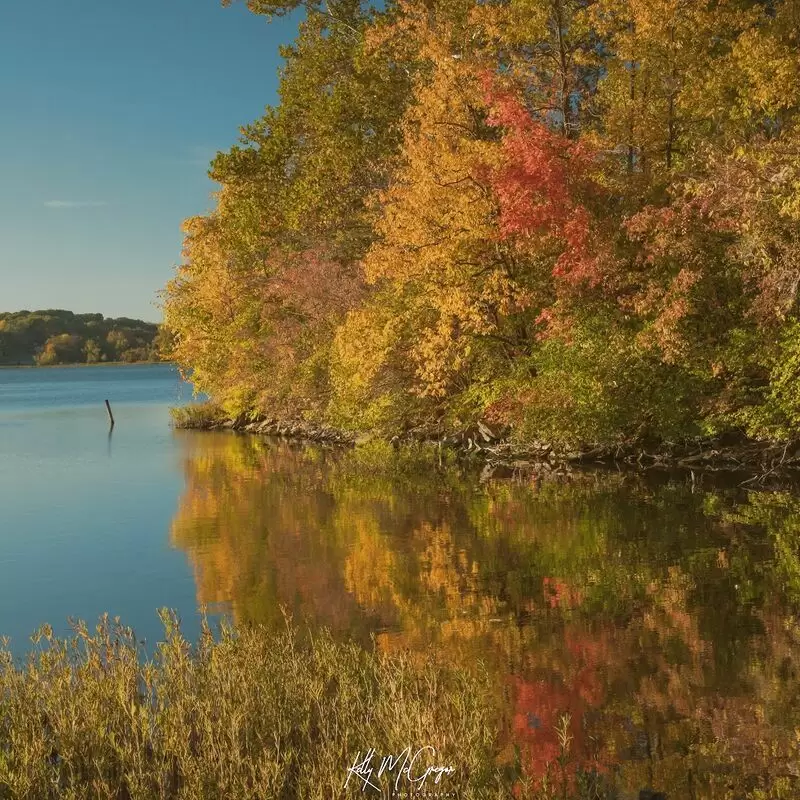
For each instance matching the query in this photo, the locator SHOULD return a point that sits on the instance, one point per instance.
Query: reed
(197, 415)
(247, 713)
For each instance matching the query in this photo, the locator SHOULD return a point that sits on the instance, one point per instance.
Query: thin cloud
(202, 153)
(75, 203)
(197, 156)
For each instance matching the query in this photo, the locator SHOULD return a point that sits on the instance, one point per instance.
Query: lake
(84, 514)
(659, 615)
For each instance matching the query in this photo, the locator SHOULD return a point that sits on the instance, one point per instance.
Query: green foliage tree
(92, 351)
(269, 275)
(55, 336)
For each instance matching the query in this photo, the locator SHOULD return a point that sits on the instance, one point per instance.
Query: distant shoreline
(79, 364)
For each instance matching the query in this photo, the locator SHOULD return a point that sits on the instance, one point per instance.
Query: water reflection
(658, 616)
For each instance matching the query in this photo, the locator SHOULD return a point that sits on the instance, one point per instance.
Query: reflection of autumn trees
(244, 521)
(656, 617)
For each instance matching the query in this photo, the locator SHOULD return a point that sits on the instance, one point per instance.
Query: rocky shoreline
(762, 461)
(271, 427)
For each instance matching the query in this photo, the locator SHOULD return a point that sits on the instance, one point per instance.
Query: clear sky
(109, 114)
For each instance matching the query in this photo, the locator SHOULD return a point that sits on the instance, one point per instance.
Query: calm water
(83, 515)
(661, 617)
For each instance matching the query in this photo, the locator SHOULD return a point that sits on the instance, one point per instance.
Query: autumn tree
(574, 217)
(269, 273)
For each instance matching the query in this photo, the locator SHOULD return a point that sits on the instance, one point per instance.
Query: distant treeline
(55, 336)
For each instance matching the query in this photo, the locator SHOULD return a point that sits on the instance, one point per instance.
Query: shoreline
(74, 365)
(757, 462)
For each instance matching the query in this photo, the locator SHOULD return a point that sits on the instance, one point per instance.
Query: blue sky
(109, 114)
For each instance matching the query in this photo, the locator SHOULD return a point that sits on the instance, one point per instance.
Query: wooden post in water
(110, 415)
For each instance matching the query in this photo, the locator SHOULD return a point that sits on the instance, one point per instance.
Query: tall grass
(197, 415)
(246, 714)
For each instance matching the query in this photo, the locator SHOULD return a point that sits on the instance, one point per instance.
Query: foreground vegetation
(252, 714)
(578, 218)
(56, 336)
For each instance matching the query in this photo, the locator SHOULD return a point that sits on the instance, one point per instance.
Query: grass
(246, 714)
(197, 415)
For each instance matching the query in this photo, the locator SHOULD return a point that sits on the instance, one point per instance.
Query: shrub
(197, 415)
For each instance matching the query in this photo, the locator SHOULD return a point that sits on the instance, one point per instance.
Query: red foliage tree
(539, 186)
